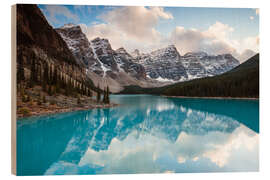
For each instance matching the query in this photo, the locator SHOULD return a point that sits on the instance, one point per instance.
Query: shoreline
(198, 97)
(65, 110)
(34, 103)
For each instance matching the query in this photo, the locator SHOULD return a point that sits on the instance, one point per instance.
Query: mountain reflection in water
(145, 134)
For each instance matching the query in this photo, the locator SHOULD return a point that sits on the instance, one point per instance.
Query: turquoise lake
(145, 134)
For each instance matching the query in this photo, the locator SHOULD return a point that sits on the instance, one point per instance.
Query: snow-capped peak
(135, 53)
(102, 46)
(69, 25)
(100, 42)
(171, 49)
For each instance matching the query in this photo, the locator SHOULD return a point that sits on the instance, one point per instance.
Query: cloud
(52, 11)
(219, 30)
(246, 48)
(251, 42)
(251, 17)
(115, 37)
(239, 141)
(186, 40)
(214, 40)
(130, 27)
(245, 55)
(136, 22)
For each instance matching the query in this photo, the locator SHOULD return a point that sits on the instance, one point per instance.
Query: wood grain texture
(13, 89)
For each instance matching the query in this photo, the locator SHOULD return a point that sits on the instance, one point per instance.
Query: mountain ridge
(163, 65)
(157, 68)
(167, 63)
(242, 81)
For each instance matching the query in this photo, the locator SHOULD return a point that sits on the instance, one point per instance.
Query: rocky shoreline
(56, 110)
(39, 103)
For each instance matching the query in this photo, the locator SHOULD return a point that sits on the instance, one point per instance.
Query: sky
(212, 30)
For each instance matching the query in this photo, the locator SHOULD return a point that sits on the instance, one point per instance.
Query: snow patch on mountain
(104, 69)
(163, 79)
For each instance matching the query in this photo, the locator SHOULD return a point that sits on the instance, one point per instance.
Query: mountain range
(118, 68)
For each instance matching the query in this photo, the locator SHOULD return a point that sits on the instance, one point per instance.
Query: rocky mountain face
(162, 64)
(77, 43)
(126, 62)
(39, 46)
(201, 64)
(104, 55)
(98, 55)
(34, 32)
(168, 65)
(116, 67)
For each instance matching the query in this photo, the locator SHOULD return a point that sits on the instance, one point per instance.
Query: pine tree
(57, 87)
(55, 77)
(39, 99)
(40, 73)
(20, 70)
(44, 99)
(45, 77)
(28, 99)
(78, 100)
(85, 90)
(50, 90)
(98, 94)
(89, 93)
(50, 75)
(82, 90)
(33, 73)
(68, 88)
(62, 82)
(108, 95)
(104, 96)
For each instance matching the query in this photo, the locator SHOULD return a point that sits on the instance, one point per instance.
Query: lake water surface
(145, 134)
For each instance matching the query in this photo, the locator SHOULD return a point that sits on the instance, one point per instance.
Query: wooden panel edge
(13, 90)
